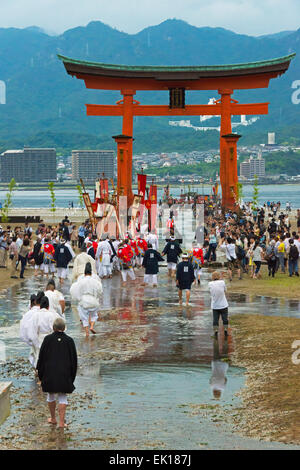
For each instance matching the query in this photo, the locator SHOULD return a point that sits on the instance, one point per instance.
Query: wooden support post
(225, 129)
(230, 152)
(127, 129)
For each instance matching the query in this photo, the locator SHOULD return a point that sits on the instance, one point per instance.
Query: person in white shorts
(87, 292)
(150, 263)
(62, 256)
(172, 250)
(48, 262)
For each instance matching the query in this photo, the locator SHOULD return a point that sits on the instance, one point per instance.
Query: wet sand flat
(271, 398)
(144, 381)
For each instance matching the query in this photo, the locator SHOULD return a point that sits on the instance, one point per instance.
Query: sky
(252, 17)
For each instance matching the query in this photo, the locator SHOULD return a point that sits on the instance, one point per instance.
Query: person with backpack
(257, 253)
(293, 255)
(240, 253)
(270, 257)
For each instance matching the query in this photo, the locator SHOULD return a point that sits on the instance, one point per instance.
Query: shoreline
(270, 398)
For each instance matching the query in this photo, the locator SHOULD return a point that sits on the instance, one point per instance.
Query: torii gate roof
(79, 67)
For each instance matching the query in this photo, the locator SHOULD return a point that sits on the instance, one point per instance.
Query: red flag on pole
(104, 188)
(142, 181)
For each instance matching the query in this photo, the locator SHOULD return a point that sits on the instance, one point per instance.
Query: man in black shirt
(172, 250)
(184, 278)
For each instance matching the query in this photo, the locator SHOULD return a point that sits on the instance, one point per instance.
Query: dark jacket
(150, 262)
(185, 275)
(57, 363)
(62, 256)
(91, 252)
(37, 254)
(172, 250)
(66, 233)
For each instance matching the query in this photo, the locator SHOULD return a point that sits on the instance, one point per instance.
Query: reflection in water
(149, 359)
(219, 368)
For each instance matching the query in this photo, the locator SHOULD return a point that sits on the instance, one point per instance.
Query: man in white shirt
(219, 304)
(229, 247)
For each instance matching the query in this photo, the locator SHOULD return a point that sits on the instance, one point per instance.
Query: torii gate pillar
(124, 159)
(230, 175)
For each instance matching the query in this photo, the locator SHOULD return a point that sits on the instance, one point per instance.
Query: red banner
(142, 181)
(153, 207)
(104, 188)
(153, 194)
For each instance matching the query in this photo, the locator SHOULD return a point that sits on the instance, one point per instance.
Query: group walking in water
(243, 239)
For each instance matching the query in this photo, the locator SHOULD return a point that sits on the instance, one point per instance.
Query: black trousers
(80, 241)
(272, 266)
(217, 313)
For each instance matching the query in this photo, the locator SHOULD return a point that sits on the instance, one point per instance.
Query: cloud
(254, 17)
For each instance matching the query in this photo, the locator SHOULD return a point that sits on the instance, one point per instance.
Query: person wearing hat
(172, 250)
(184, 277)
(62, 257)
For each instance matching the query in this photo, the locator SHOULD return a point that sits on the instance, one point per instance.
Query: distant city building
(271, 138)
(87, 164)
(250, 168)
(28, 165)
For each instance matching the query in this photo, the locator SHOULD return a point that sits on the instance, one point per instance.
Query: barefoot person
(150, 263)
(184, 277)
(87, 292)
(57, 367)
(219, 302)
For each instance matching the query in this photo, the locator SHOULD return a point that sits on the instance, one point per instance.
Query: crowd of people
(244, 238)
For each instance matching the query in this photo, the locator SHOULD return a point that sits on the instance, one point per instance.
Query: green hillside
(45, 106)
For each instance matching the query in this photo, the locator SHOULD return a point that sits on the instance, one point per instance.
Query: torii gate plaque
(223, 78)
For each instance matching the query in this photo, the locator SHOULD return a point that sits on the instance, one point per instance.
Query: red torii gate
(223, 78)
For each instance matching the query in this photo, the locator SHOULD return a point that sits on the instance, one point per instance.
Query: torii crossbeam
(223, 78)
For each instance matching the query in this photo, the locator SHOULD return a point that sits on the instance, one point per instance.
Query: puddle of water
(169, 364)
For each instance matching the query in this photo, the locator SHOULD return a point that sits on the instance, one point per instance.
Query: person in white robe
(42, 325)
(152, 238)
(116, 261)
(27, 327)
(56, 299)
(80, 263)
(87, 291)
(104, 253)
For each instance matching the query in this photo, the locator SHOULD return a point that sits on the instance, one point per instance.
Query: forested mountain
(45, 107)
